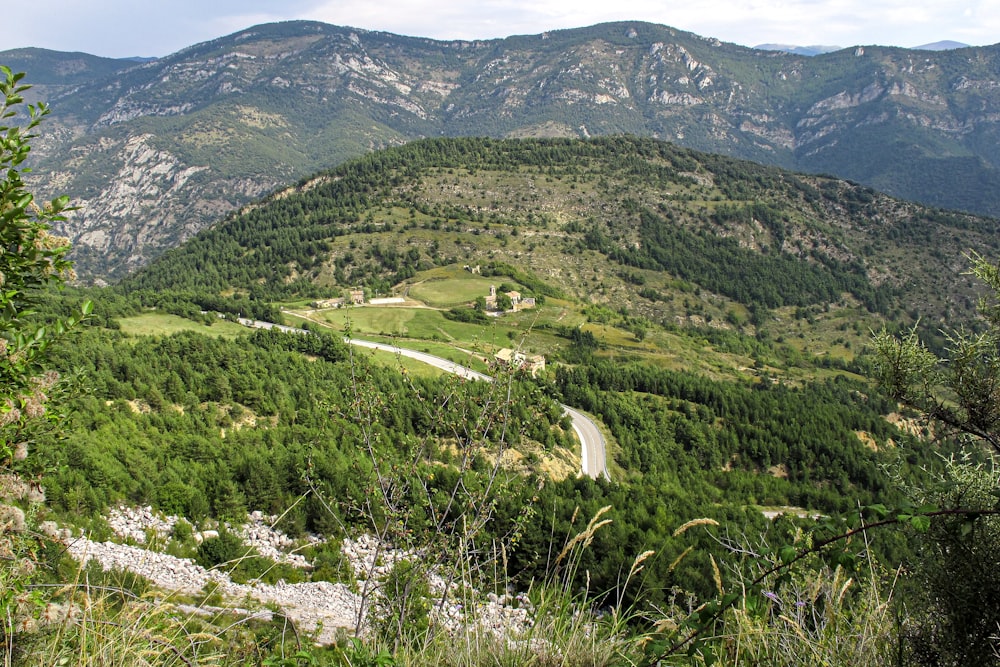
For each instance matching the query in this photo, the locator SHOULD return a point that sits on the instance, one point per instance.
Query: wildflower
(772, 597)
(34, 405)
(53, 612)
(47, 380)
(49, 529)
(26, 567)
(10, 415)
(12, 518)
(26, 624)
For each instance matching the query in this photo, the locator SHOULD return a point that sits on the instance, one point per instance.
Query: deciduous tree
(31, 261)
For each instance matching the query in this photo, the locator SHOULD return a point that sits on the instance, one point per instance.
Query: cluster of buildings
(356, 297)
(513, 359)
(517, 301)
(505, 358)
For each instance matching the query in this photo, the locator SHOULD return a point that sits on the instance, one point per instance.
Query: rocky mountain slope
(159, 150)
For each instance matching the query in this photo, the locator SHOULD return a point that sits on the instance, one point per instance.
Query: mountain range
(817, 49)
(153, 152)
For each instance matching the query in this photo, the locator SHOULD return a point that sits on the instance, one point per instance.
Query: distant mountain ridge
(814, 50)
(156, 151)
(817, 49)
(57, 73)
(943, 45)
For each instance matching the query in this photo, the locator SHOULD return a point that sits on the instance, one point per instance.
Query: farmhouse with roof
(514, 359)
(517, 301)
(328, 303)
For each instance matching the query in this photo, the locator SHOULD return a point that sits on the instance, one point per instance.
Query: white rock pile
(136, 524)
(132, 523)
(270, 543)
(168, 572)
(320, 606)
(312, 606)
(372, 559)
(502, 615)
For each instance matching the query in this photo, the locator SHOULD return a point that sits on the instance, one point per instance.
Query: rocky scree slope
(320, 607)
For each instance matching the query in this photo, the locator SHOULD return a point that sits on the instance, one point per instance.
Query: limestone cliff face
(151, 201)
(154, 152)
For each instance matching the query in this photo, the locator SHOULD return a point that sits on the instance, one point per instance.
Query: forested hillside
(714, 317)
(682, 250)
(626, 221)
(160, 150)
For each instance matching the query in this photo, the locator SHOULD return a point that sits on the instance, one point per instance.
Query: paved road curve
(592, 444)
(593, 454)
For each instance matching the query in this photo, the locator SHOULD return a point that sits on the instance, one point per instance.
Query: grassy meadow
(158, 323)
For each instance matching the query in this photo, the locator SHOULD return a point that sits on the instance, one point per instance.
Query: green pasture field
(405, 364)
(450, 292)
(470, 354)
(419, 323)
(424, 327)
(163, 324)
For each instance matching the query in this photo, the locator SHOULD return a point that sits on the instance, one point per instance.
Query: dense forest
(201, 426)
(212, 427)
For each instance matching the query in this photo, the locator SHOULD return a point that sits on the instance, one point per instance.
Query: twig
(681, 643)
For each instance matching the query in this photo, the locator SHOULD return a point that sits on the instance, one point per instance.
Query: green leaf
(59, 203)
(920, 523)
(878, 510)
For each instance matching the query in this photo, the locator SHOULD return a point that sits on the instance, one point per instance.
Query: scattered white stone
(132, 523)
(315, 605)
(323, 607)
(270, 543)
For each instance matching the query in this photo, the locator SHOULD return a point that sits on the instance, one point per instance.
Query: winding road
(593, 446)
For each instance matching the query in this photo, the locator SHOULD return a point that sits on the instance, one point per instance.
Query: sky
(124, 28)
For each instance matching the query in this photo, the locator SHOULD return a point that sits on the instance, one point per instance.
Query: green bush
(401, 615)
(221, 552)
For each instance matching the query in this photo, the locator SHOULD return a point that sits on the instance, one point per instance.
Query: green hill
(159, 150)
(711, 314)
(627, 223)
